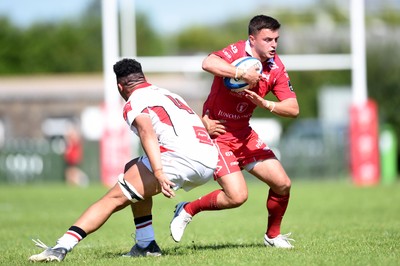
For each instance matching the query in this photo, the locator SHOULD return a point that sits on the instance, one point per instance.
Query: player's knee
(239, 202)
(238, 199)
(284, 187)
(112, 203)
(287, 187)
(119, 203)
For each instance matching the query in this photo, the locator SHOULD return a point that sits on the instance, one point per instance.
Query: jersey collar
(142, 85)
(248, 48)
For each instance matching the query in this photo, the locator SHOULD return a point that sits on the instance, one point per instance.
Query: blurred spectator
(73, 157)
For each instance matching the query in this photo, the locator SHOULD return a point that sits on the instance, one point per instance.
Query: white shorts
(184, 172)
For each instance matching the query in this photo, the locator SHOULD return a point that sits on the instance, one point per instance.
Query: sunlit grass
(333, 223)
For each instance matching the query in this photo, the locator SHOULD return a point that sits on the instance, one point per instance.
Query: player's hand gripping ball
(243, 63)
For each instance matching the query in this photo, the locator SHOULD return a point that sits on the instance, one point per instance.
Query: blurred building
(41, 106)
(36, 111)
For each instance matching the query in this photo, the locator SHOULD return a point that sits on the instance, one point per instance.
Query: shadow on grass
(188, 249)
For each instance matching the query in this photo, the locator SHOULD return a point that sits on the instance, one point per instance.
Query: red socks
(276, 205)
(205, 203)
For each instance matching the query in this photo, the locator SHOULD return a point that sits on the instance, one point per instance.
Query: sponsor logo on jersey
(202, 135)
(265, 76)
(241, 107)
(226, 115)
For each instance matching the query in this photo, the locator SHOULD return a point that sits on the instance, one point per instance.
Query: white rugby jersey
(177, 126)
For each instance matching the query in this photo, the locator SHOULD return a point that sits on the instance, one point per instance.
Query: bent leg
(142, 216)
(233, 194)
(142, 180)
(143, 220)
(93, 218)
(272, 173)
(234, 191)
(142, 208)
(99, 212)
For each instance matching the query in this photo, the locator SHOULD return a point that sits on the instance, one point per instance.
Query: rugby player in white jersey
(178, 154)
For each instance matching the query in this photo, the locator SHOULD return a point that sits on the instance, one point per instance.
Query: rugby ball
(244, 63)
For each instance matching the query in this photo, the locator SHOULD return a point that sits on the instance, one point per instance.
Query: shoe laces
(287, 238)
(133, 235)
(40, 244)
(187, 219)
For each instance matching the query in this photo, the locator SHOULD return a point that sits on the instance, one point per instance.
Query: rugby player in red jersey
(226, 115)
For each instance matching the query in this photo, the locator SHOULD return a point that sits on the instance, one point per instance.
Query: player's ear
(251, 39)
(120, 87)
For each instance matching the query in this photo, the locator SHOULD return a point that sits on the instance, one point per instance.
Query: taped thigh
(129, 191)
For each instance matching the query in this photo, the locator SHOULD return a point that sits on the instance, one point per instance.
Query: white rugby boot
(49, 253)
(179, 222)
(280, 241)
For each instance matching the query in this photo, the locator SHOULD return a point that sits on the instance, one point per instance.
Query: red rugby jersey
(234, 107)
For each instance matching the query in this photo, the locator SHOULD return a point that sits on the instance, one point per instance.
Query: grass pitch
(333, 223)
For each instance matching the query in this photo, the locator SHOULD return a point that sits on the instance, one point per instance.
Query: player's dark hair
(260, 22)
(128, 71)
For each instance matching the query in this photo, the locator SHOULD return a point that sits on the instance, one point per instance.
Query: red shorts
(234, 153)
